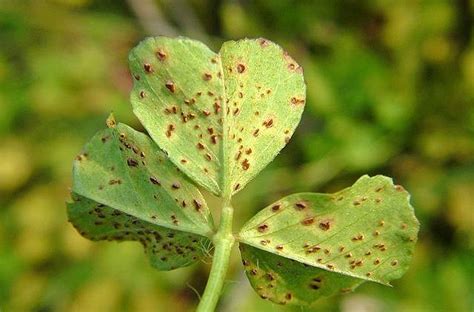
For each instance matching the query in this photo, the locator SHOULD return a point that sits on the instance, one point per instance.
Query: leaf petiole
(223, 242)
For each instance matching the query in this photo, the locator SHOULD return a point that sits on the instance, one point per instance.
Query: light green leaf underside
(166, 249)
(367, 231)
(221, 117)
(124, 169)
(286, 281)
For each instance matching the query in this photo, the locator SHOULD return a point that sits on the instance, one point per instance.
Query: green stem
(223, 242)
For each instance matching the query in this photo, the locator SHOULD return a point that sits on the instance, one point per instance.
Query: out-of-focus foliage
(390, 91)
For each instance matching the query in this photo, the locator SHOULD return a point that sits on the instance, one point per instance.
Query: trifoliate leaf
(367, 231)
(221, 117)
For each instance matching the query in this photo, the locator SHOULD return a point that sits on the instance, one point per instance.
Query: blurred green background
(390, 91)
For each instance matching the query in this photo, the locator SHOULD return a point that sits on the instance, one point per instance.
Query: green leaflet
(367, 231)
(286, 281)
(166, 249)
(220, 117)
(124, 170)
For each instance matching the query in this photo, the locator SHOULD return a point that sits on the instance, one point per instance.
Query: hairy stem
(223, 242)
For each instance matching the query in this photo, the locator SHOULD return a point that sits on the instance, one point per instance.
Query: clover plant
(215, 120)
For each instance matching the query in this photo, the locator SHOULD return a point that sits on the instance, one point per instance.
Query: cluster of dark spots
(132, 162)
(307, 221)
(214, 139)
(276, 207)
(161, 54)
(253, 272)
(170, 130)
(325, 225)
(208, 157)
(174, 220)
(248, 151)
(315, 283)
(170, 86)
(356, 263)
(197, 205)
(147, 67)
(262, 228)
(368, 253)
(263, 42)
(237, 186)
(297, 101)
(268, 123)
(207, 76)
(279, 247)
(245, 262)
(358, 237)
(394, 263)
(301, 205)
(81, 157)
(348, 255)
(200, 146)
(380, 247)
(176, 185)
(245, 164)
(115, 181)
(153, 217)
(142, 94)
(377, 261)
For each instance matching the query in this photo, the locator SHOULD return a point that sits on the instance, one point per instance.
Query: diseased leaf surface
(286, 281)
(221, 117)
(367, 231)
(125, 188)
(124, 169)
(166, 249)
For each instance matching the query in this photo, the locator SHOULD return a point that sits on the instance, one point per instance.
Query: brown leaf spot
(176, 185)
(268, 123)
(170, 86)
(276, 207)
(262, 228)
(155, 181)
(132, 162)
(207, 76)
(301, 205)
(325, 225)
(307, 221)
(197, 204)
(245, 164)
(161, 54)
(147, 67)
(297, 101)
(240, 68)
